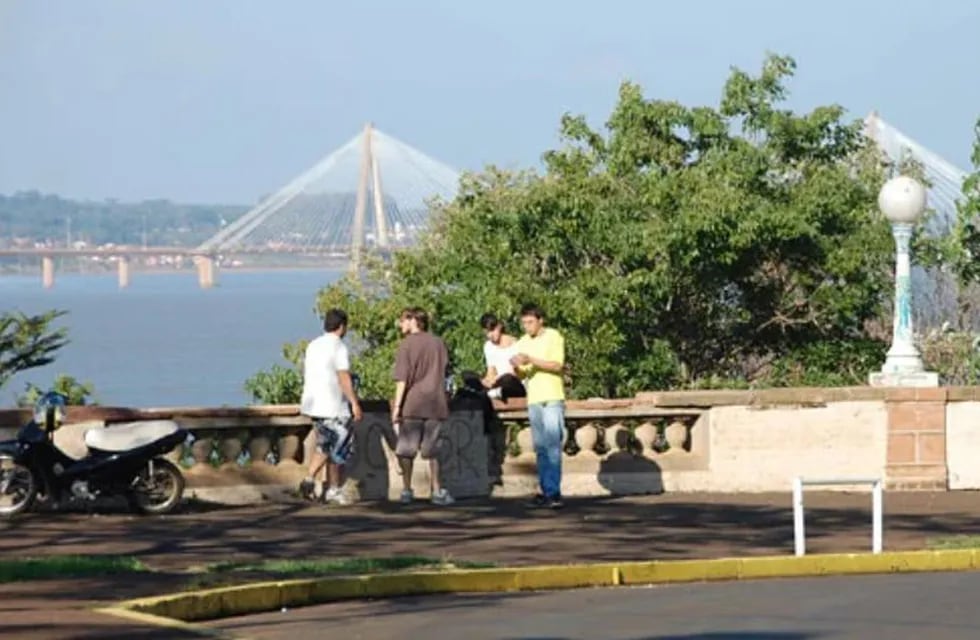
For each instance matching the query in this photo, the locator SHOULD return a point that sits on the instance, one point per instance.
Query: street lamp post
(903, 200)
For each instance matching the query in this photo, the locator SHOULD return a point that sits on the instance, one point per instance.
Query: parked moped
(123, 460)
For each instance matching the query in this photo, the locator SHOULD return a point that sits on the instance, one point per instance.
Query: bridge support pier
(47, 271)
(206, 272)
(123, 266)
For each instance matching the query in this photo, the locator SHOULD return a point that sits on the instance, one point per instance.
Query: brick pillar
(916, 439)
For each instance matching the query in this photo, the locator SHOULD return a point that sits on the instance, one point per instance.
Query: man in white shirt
(500, 347)
(326, 384)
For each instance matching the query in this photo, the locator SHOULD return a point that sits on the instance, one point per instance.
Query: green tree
(680, 246)
(27, 341)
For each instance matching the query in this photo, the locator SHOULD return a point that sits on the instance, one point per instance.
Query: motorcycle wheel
(158, 494)
(18, 487)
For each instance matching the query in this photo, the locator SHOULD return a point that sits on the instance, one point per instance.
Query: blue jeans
(547, 426)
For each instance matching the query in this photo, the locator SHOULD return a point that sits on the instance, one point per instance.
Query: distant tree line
(50, 218)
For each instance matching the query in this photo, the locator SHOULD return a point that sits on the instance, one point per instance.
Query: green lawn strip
(68, 566)
(954, 542)
(227, 573)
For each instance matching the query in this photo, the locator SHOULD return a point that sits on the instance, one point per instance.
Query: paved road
(669, 526)
(933, 606)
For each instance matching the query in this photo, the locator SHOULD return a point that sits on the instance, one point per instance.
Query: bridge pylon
(374, 192)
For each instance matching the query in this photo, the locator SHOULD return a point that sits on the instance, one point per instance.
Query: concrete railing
(725, 441)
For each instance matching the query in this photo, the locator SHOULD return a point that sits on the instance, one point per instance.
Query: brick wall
(916, 457)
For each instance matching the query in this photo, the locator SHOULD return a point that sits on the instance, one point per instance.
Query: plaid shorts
(334, 438)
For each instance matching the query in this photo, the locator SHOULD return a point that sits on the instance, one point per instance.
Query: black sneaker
(537, 502)
(555, 503)
(307, 489)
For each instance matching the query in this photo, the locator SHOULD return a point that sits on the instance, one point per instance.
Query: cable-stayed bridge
(374, 192)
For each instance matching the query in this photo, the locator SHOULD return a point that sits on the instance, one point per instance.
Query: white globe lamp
(902, 200)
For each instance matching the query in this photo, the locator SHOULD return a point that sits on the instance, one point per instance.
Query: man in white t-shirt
(326, 384)
(499, 348)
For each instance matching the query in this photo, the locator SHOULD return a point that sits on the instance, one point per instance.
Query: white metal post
(798, 534)
(876, 528)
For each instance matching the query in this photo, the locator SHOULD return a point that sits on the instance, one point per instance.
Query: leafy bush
(954, 355)
(279, 384)
(78, 393)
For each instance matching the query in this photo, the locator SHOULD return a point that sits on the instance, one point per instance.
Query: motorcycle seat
(129, 435)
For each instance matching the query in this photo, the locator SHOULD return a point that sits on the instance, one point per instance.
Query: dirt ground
(505, 532)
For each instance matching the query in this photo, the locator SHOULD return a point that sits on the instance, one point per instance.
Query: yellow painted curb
(160, 621)
(226, 602)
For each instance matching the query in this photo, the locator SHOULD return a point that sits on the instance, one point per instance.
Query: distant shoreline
(136, 271)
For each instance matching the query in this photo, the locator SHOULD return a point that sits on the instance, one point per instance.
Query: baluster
(602, 446)
(677, 434)
(646, 436)
(586, 436)
(231, 445)
(202, 447)
(617, 437)
(259, 446)
(290, 445)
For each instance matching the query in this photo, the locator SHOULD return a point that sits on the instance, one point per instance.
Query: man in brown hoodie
(421, 405)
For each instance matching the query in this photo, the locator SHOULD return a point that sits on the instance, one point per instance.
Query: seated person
(500, 379)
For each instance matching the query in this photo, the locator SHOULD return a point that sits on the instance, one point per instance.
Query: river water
(164, 341)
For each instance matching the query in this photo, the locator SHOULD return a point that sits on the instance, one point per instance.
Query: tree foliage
(27, 341)
(678, 246)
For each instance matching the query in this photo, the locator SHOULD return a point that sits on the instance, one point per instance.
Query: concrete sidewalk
(671, 526)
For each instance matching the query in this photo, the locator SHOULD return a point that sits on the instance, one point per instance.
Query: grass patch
(67, 567)
(224, 573)
(955, 542)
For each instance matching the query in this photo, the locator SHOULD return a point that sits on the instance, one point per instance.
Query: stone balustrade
(260, 452)
(726, 441)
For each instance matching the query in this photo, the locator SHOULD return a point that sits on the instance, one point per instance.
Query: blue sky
(225, 100)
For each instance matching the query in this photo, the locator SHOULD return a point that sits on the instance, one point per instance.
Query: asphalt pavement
(894, 607)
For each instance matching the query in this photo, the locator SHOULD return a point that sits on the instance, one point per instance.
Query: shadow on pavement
(503, 531)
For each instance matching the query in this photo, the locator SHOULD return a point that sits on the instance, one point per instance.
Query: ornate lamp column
(903, 200)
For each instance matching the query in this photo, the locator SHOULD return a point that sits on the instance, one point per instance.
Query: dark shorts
(334, 438)
(416, 435)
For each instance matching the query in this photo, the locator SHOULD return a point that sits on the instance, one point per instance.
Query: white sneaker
(338, 497)
(407, 496)
(330, 494)
(442, 498)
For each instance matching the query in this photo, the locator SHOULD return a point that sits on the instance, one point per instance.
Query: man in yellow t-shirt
(540, 362)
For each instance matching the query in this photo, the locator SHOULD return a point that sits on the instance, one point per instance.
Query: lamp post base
(904, 379)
